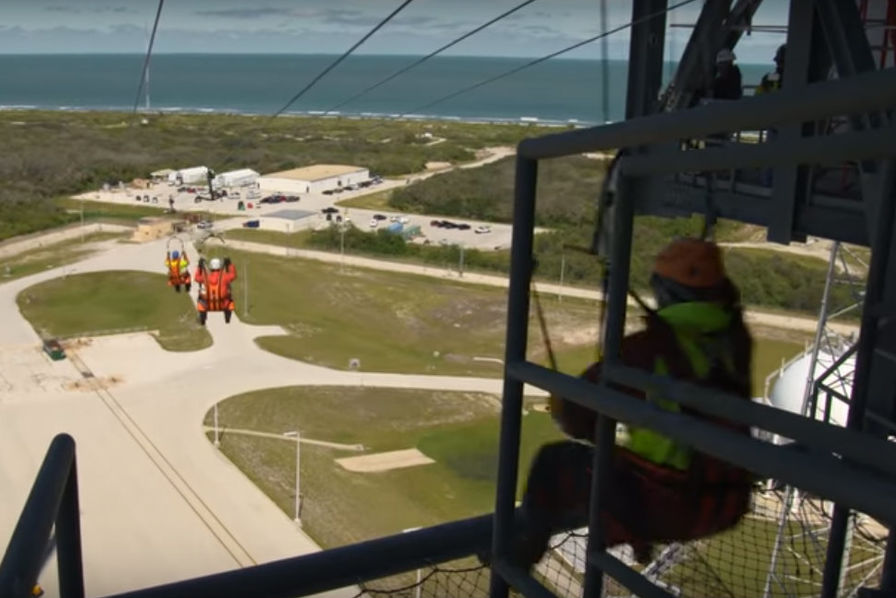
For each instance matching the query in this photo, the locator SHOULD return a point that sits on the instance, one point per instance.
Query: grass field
(391, 322)
(458, 430)
(51, 256)
(111, 301)
(372, 201)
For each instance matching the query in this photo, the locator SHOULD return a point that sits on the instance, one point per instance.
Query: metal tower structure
(852, 467)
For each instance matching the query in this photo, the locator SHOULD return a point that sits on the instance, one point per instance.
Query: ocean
(555, 91)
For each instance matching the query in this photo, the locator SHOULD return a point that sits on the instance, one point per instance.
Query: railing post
(605, 433)
(68, 539)
(24, 556)
(515, 351)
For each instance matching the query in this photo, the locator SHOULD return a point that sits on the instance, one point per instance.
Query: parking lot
(433, 231)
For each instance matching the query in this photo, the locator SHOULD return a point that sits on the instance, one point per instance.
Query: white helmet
(215, 263)
(725, 55)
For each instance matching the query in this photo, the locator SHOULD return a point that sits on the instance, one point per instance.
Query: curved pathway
(159, 502)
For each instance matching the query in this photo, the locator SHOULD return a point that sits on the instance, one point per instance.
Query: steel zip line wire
(345, 55)
(428, 56)
(544, 58)
(605, 62)
(152, 39)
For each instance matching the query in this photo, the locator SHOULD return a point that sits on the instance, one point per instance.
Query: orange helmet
(691, 263)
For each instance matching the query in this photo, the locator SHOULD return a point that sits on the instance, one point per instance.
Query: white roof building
(194, 174)
(236, 178)
(314, 179)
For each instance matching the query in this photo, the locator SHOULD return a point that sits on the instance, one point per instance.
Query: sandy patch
(437, 165)
(385, 461)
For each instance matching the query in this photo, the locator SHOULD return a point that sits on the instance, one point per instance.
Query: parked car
(329, 192)
(374, 223)
(436, 223)
(463, 226)
(351, 188)
(404, 219)
(448, 224)
(481, 230)
(379, 217)
(235, 195)
(181, 189)
(205, 224)
(330, 210)
(251, 224)
(292, 198)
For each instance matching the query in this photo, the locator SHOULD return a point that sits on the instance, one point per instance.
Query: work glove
(226, 263)
(202, 263)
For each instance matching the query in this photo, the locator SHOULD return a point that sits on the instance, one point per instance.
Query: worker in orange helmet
(214, 288)
(178, 265)
(659, 490)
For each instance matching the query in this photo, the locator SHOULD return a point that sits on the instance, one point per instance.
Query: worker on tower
(214, 288)
(178, 270)
(773, 81)
(727, 83)
(659, 490)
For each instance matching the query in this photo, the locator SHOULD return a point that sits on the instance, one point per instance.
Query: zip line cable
(544, 58)
(428, 56)
(605, 62)
(152, 39)
(345, 55)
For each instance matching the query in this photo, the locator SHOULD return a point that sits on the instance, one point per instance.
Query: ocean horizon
(558, 91)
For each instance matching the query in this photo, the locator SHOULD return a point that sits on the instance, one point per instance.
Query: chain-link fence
(777, 551)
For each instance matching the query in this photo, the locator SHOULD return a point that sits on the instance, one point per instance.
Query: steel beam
(865, 92)
(521, 265)
(808, 469)
(645, 63)
(24, 556)
(336, 567)
(695, 69)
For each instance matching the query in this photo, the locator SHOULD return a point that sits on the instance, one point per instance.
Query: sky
(332, 26)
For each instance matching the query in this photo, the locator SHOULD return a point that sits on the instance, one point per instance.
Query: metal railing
(53, 501)
(822, 468)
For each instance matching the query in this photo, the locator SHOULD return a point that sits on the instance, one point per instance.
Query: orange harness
(216, 294)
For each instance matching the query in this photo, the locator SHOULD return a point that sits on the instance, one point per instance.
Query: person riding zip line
(214, 287)
(659, 490)
(178, 270)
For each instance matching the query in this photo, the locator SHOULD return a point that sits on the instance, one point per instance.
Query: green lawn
(371, 201)
(112, 301)
(391, 322)
(50, 256)
(109, 212)
(458, 430)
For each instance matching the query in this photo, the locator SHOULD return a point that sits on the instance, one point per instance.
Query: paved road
(159, 502)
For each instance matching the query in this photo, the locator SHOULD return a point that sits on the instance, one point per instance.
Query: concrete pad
(385, 461)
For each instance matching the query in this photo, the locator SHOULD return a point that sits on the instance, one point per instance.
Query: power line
(544, 58)
(428, 56)
(341, 58)
(152, 39)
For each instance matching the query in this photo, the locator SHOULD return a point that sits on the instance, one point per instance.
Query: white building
(186, 176)
(243, 177)
(314, 179)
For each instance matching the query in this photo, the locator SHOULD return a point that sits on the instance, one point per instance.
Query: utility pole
(298, 502)
(341, 245)
(245, 289)
(562, 271)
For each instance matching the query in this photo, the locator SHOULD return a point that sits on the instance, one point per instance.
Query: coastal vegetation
(50, 155)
